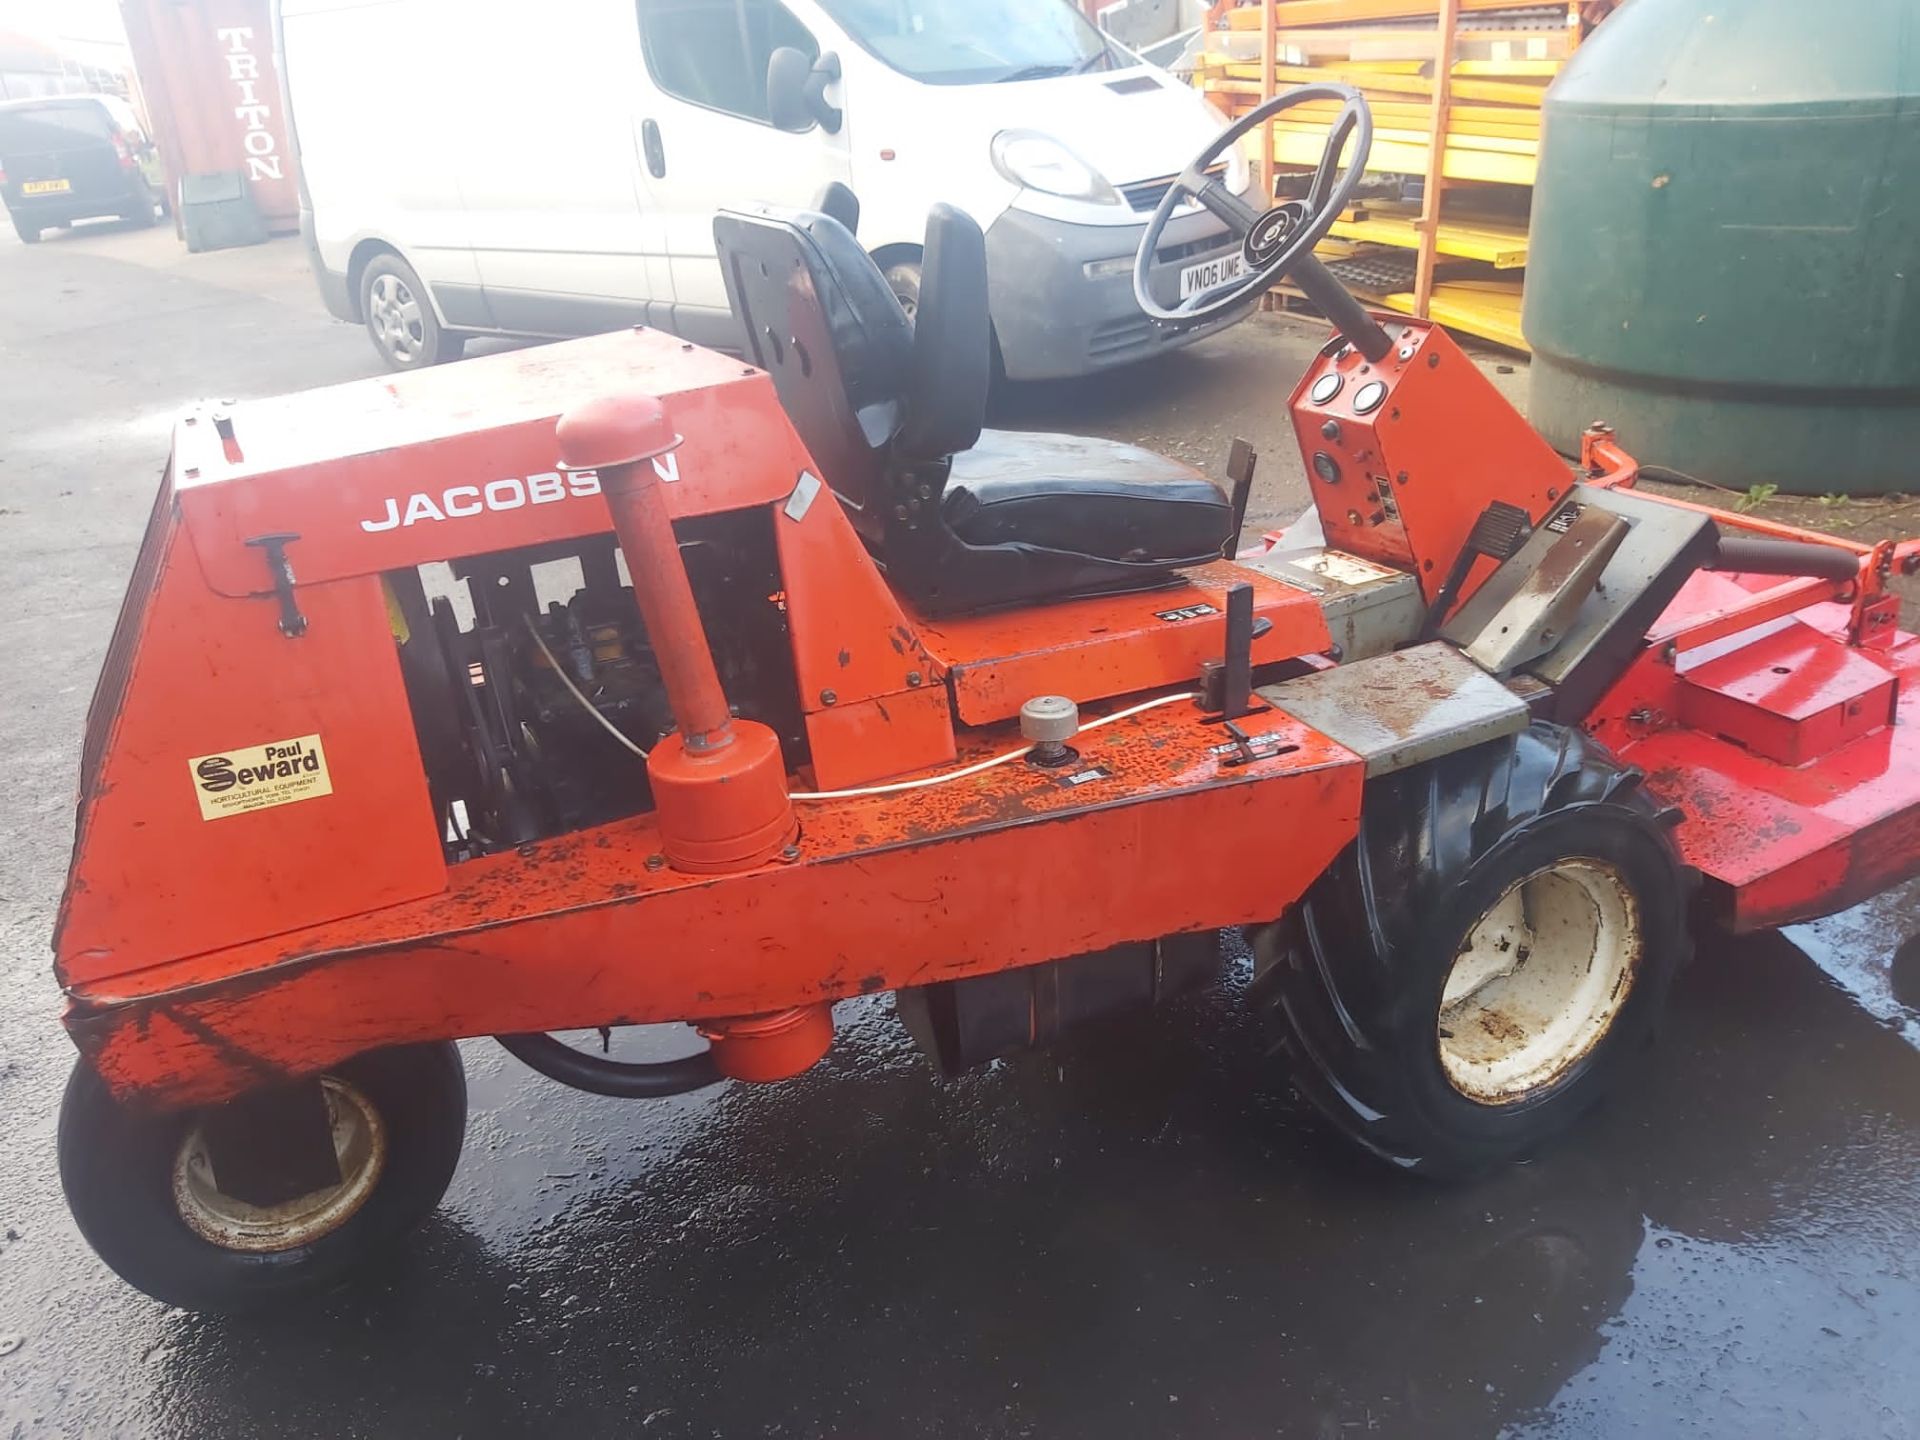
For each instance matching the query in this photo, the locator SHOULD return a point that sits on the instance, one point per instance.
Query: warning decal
(234, 782)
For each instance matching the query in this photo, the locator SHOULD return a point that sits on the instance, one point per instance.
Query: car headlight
(1040, 162)
(1239, 173)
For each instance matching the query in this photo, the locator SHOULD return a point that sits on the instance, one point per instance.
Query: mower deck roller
(620, 684)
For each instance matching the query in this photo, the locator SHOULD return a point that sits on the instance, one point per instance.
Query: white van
(485, 167)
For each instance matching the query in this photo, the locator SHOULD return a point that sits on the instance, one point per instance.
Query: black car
(70, 157)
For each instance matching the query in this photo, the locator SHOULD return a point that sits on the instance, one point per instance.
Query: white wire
(975, 769)
(892, 789)
(574, 690)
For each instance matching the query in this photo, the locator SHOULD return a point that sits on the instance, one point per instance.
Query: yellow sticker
(257, 777)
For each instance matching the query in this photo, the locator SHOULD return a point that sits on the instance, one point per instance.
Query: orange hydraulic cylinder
(775, 1046)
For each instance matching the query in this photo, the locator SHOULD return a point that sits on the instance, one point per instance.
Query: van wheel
(400, 317)
(903, 278)
(1486, 960)
(143, 1189)
(142, 216)
(29, 234)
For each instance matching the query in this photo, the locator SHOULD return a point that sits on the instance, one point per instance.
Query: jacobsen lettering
(457, 502)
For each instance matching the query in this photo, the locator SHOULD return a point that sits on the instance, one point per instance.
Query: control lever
(1226, 685)
(1241, 460)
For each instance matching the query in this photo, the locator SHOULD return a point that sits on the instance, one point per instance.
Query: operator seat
(960, 517)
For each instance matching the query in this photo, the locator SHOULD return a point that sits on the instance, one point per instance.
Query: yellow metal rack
(1455, 87)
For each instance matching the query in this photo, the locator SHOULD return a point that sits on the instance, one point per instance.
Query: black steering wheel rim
(1289, 232)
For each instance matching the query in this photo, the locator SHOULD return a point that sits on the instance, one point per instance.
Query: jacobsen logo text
(275, 762)
(457, 502)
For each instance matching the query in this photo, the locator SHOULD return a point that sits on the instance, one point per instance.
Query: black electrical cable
(621, 1079)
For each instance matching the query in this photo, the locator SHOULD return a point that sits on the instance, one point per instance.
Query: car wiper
(1033, 72)
(1103, 53)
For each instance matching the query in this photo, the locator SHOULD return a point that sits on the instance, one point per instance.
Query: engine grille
(1146, 195)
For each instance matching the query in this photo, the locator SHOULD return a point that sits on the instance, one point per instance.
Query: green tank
(1725, 251)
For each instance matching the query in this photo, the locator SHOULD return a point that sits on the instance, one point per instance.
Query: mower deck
(1795, 762)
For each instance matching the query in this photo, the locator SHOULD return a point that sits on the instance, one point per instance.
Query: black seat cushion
(1083, 496)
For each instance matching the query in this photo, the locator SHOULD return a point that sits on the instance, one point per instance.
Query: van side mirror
(797, 90)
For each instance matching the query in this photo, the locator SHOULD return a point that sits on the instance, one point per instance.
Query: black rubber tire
(1349, 982)
(903, 278)
(116, 1166)
(29, 234)
(436, 345)
(143, 215)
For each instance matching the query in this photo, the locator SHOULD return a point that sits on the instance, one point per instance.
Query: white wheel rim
(1539, 980)
(360, 1147)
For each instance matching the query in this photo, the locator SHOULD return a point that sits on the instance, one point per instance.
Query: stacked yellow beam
(1387, 49)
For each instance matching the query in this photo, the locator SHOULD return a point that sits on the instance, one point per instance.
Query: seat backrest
(818, 316)
(946, 401)
(865, 390)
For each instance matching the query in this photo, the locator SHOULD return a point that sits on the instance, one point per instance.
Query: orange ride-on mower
(622, 683)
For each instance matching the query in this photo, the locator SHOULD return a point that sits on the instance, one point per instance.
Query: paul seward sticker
(235, 782)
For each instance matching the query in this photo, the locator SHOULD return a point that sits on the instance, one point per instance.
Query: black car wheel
(903, 278)
(144, 214)
(144, 1192)
(1483, 963)
(29, 234)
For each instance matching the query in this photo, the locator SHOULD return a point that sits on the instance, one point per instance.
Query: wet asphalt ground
(1140, 1234)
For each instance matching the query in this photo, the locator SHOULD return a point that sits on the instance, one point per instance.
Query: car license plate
(1209, 273)
(45, 187)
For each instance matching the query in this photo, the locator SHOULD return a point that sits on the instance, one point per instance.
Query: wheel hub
(396, 314)
(1538, 981)
(359, 1146)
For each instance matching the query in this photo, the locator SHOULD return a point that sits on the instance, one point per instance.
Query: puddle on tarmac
(1873, 953)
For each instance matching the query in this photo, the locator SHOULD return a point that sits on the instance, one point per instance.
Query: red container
(213, 93)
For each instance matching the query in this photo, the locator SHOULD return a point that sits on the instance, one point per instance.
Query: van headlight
(1239, 173)
(1040, 162)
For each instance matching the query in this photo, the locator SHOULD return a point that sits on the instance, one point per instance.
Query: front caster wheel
(146, 1192)
(1486, 959)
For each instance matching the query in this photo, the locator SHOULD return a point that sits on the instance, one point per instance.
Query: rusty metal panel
(1012, 866)
(1394, 711)
(1108, 645)
(207, 70)
(1530, 602)
(1370, 609)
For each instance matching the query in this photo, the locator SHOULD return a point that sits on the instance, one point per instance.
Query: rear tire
(1482, 964)
(29, 234)
(143, 215)
(400, 318)
(132, 1184)
(903, 278)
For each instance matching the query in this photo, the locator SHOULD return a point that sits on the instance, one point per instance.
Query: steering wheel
(1273, 241)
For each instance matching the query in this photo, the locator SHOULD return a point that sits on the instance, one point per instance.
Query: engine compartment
(534, 688)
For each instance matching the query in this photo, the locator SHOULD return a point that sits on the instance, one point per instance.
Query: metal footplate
(1396, 711)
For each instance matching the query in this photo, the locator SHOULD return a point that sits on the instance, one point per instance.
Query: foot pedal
(1498, 533)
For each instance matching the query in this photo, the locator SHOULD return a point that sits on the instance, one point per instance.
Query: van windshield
(72, 125)
(975, 42)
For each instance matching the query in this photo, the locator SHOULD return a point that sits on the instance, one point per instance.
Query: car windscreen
(40, 128)
(974, 42)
